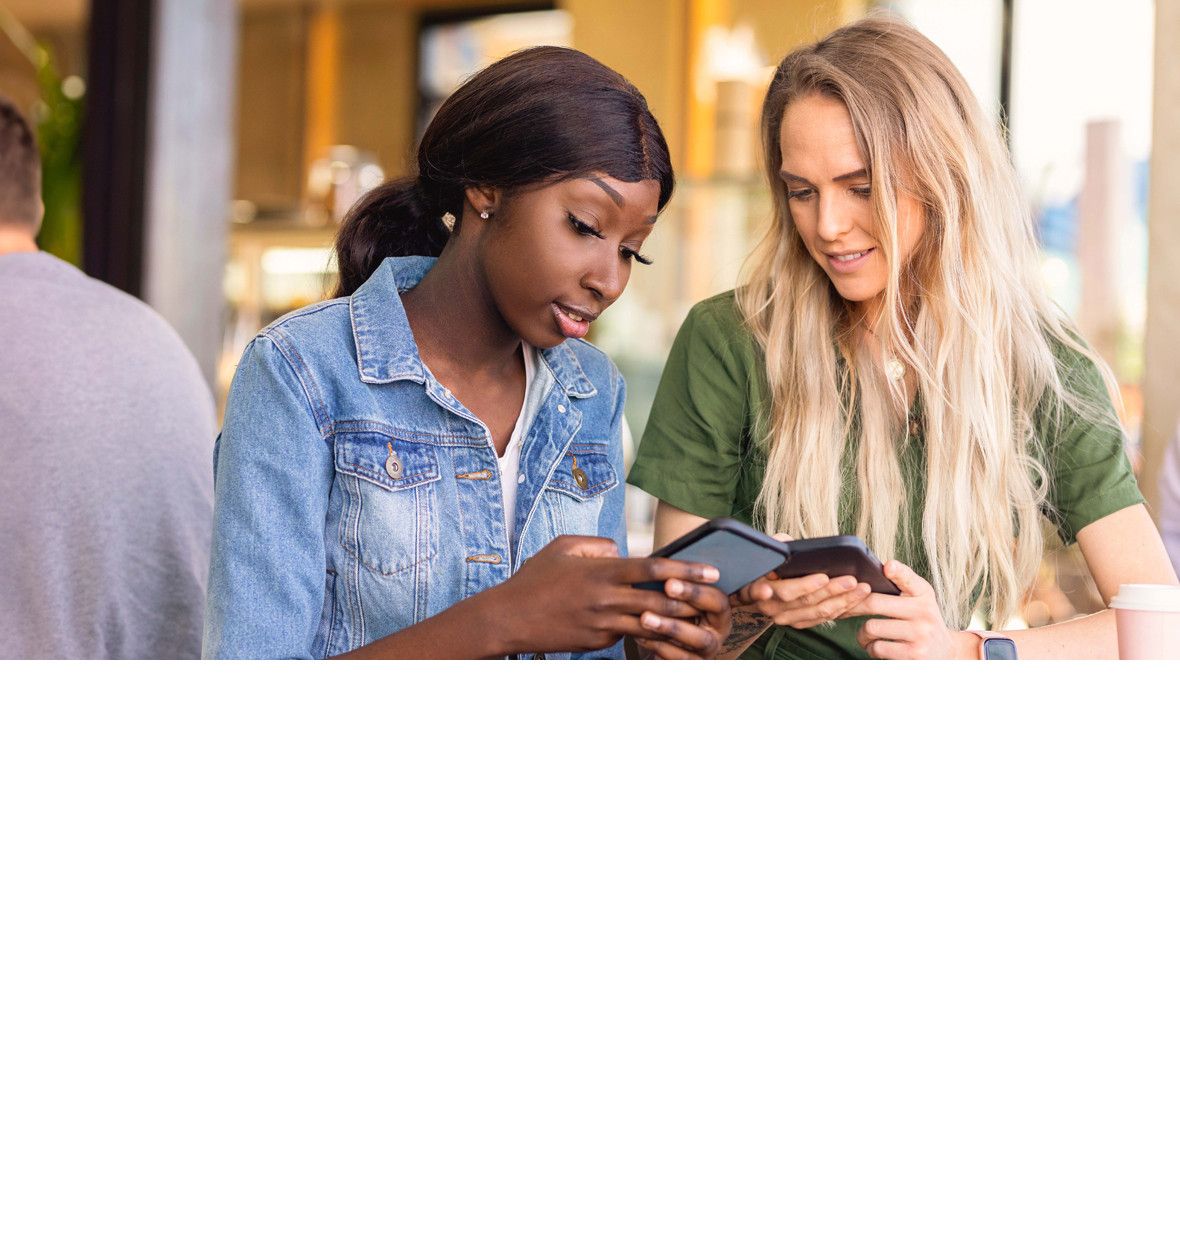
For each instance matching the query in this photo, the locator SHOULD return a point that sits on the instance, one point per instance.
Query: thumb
(592, 548)
(756, 592)
(906, 580)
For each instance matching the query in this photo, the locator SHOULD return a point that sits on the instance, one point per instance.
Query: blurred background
(199, 153)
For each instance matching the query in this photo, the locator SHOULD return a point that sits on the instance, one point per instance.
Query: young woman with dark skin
(536, 219)
(469, 314)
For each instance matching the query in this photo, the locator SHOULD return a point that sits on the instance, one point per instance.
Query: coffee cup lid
(1147, 598)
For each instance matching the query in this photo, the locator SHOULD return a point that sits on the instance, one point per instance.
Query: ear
(483, 198)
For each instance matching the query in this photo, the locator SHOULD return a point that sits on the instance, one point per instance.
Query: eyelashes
(802, 195)
(585, 230)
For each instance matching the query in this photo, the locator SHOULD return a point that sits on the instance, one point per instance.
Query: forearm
(1085, 637)
(748, 627)
(473, 629)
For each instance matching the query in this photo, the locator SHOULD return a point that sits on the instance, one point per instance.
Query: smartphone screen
(737, 559)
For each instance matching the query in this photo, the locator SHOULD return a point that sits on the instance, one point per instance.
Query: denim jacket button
(561, 409)
(393, 465)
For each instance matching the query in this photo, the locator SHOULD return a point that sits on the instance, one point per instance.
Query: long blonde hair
(967, 315)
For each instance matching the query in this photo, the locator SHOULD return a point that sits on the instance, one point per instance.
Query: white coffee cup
(1148, 620)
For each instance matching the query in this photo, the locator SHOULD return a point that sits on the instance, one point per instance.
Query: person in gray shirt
(107, 426)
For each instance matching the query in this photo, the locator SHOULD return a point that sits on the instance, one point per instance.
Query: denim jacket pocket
(574, 492)
(389, 520)
(585, 472)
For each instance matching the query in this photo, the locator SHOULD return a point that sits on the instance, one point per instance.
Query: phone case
(742, 555)
(843, 555)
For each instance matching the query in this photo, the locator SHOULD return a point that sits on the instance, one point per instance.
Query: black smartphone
(740, 554)
(842, 555)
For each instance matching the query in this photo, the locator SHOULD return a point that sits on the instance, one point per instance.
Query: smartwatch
(996, 646)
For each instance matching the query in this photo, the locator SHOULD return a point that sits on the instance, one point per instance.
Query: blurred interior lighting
(1057, 276)
(289, 261)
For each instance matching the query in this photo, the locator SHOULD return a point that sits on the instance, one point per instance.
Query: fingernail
(675, 586)
(649, 621)
(708, 573)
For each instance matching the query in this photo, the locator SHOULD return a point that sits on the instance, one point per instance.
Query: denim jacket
(356, 496)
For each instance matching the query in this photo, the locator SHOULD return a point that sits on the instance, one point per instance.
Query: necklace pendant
(894, 369)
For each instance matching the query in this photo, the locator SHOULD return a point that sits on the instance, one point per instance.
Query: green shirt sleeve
(1090, 474)
(692, 447)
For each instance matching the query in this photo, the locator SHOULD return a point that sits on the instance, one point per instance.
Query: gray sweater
(106, 492)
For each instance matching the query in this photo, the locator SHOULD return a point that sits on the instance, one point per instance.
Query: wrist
(968, 645)
(492, 614)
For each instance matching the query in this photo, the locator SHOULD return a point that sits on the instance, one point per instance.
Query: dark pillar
(1006, 67)
(115, 141)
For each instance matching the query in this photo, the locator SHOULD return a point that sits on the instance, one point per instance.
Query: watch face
(999, 648)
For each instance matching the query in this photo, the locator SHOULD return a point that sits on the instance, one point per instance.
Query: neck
(454, 318)
(867, 315)
(16, 241)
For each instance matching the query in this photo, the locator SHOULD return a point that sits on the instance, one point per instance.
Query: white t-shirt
(535, 390)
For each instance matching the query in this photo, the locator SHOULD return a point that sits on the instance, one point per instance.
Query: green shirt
(700, 453)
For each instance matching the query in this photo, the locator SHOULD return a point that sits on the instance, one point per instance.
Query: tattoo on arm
(747, 625)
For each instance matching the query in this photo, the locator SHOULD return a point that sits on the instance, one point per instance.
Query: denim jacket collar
(385, 346)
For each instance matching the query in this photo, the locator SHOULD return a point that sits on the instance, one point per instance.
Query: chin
(549, 340)
(538, 334)
(856, 290)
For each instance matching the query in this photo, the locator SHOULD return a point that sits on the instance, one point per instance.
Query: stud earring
(485, 215)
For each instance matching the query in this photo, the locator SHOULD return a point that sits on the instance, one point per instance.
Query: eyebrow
(859, 174)
(615, 196)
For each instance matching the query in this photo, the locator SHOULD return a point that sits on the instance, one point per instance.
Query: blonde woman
(892, 368)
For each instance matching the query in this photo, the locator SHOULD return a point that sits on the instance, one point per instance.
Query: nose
(607, 279)
(833, 221)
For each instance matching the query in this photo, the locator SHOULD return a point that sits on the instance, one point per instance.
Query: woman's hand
(802, 602)
(579, 594)
(909, 625)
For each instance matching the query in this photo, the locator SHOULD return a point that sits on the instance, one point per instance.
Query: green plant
(58, 121)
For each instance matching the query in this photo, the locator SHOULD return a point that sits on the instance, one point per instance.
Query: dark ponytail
(542, 115)
(396, 218)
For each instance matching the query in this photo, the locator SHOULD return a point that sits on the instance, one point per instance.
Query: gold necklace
(894, 367)
(895, 371)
